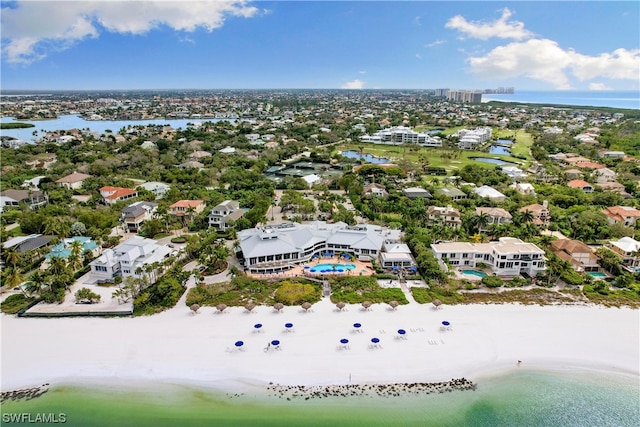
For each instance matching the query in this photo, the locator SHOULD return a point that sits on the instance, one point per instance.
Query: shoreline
(179, 348)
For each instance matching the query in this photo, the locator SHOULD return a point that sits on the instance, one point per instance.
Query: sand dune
(177, 346)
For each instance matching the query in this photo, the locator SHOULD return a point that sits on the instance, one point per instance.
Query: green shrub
(572, 277)
(385, 276)
(14, 303)
(179, 239)
(492, 281)
(296, 293)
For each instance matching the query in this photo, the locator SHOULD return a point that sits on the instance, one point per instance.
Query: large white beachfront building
(279, 247)
(125, 259)
(506, 257)
(402, 135)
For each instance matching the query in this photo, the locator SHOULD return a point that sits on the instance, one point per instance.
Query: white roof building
(402, 135)
(506, 257)
(489, 193)
(281, 246)
(125, 259)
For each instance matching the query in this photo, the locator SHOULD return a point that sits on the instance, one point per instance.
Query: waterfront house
(506, 258)
(629, 250)
(129, 258)
(580, 256)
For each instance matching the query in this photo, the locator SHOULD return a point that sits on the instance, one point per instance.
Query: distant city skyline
(474, 45)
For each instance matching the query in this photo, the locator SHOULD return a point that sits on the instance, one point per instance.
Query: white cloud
(435, 43)
(354, 84)
(362, 72)
(500, 28)
(418, 56)
(31, 28)
(598, 86)
(545, 60)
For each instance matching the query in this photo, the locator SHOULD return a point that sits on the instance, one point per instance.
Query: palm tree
(75, 258)
(12, 256)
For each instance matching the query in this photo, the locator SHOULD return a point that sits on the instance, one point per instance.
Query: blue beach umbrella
(288, 325)
(375, 340)
(357, 325)
(239, 344)
(306, 267)
(402, 331)
(257, 326)
(395, 267)
(275, 342)
(344, 341)
(445, 323)
(414, 268)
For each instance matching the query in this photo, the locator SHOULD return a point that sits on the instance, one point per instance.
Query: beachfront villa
(628, 249)
(129, 258)
(280, 247)
(506, 257)
(396, 255)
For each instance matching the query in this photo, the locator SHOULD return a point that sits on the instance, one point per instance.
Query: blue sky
(537, 45)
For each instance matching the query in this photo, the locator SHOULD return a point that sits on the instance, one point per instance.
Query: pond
(499, 149)
(504, 142)
(368, 158)
(76, 122)
(494, 161)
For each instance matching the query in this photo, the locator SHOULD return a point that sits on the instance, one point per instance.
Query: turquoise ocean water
(522, 398)
(605, 98)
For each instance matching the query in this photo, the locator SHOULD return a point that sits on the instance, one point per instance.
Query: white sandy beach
(179, 347)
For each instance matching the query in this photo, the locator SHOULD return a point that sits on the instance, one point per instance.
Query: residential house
(188, 208)
(396, 255)
(629, 250)
(605, 175)
(573, 174)
(448, 215)
(129, 258)
(24, 244)
(615, 187)
(506, 257)
(157, 188)
(524, 188)
(73, 181)
(226, 211)
(134, 215)
(452, 193)
(625, 215)
(376, 190)
(613, 154)
(514, 173)
(13, 198)
(491, 193)
(580, 256)
(497, 216)
(416, 193)
(279, 247)
(196, 155)
(112, 195)
(581, 184)
(191, 165)
(540, 213)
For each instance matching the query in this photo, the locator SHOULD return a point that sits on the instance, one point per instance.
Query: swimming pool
(474, 273)
(329, 268)
(597, 275)
(63, 249)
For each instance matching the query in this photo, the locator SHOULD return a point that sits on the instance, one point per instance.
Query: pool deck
(362, 268)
